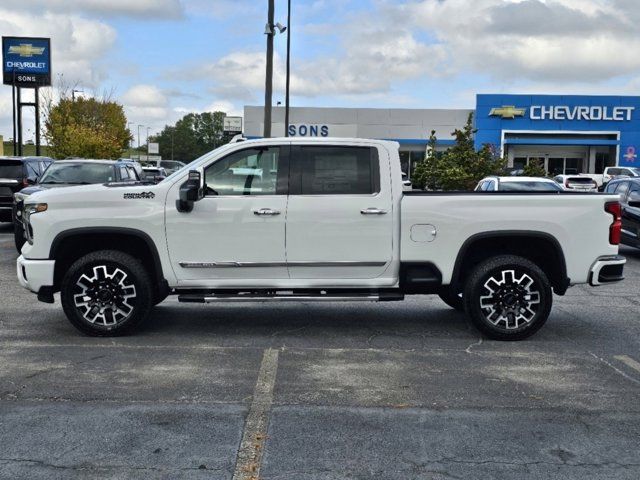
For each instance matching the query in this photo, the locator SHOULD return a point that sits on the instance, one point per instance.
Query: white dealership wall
(408, 126)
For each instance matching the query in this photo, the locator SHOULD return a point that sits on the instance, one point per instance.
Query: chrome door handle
(266, 212)
(372, 211)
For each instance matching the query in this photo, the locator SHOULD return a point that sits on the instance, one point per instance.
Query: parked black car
(67, 173)
(629, 191)
(17, 173)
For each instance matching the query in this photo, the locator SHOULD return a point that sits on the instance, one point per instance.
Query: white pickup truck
(312, 219)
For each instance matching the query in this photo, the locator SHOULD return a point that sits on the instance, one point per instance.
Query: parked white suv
(307, 219)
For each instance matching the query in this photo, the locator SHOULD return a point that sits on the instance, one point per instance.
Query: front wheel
(508, 298)
(106, 293)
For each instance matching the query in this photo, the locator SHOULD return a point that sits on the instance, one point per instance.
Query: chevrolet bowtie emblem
(26, 50)
(507, 111)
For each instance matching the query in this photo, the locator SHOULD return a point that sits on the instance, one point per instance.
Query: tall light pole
(148, 128)
(286, 100)
(139, 140)
(130, 138)
(269, 31)
(269, 74)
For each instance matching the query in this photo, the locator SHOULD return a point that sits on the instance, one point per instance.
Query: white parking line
(629, 362)
(255, 428)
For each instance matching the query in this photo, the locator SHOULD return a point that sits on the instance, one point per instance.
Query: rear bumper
(607, 269)
(35, 275)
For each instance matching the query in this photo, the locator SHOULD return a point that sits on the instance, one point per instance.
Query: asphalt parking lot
(321, 391)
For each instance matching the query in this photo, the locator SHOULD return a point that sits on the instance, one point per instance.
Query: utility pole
(286, 100)
(148, 128)
(36, 105)
(139, 141)
(131, 138)
(269, 74)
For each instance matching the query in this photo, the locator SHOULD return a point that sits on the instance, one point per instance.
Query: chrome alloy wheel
(509, 302)
(106, 295)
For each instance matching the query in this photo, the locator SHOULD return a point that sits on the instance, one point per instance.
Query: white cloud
(563, 40)
(134, 8)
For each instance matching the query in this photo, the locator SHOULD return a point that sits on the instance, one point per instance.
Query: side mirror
(191, 191)
(634, 199)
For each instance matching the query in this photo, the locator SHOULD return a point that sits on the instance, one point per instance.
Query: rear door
(340, 212)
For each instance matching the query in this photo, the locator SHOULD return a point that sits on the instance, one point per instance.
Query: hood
(98, 194)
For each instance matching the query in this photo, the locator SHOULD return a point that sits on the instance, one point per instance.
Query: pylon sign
(26, 61)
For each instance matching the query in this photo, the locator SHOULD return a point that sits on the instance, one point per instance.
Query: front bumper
(607, 269)
(35, 275)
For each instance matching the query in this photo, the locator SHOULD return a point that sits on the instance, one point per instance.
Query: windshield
(78, 173)
(11, 170)
(529, 187)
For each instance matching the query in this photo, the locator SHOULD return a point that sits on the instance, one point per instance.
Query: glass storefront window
(556, 166)
(603, 160)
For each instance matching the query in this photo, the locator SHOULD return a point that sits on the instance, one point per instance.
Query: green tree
(87, 128)
(192, 136)
(535, 168)
(460, 167)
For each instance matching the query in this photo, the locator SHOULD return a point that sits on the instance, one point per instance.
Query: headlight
(31, 209)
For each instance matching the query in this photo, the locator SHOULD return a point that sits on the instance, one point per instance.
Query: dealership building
(568, 133)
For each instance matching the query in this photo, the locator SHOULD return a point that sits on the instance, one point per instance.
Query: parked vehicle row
(517, 184)
(67, 173)
(629, 191)
(17, 173)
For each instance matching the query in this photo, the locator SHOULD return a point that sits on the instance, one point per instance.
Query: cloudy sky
(163, 58)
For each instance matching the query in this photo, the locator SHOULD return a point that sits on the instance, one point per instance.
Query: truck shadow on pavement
(311, 325)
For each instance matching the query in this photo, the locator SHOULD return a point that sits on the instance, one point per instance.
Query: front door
(235, 235)
(340, 213)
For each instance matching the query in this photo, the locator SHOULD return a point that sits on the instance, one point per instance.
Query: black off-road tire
(18, 236)
(452, 298)
(508, 298)
(115, 293)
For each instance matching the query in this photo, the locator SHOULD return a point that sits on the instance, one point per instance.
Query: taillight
(25, 182)
(616, 227)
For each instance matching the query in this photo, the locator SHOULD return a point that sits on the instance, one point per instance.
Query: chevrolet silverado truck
(312, 220)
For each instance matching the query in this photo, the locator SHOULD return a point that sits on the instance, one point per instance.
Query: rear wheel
(508, 298)
(453, 298)
(106, 293)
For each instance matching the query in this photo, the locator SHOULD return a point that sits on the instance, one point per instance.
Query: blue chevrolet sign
(26, 62)
(596, 124)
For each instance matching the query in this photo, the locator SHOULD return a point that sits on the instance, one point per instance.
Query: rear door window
(335, 170)
(11, 170)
